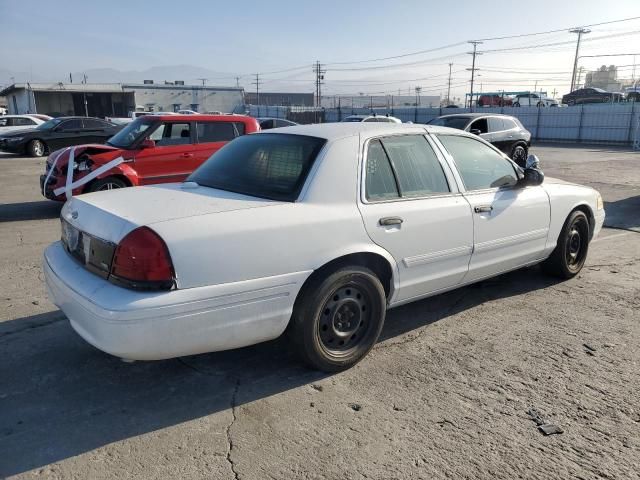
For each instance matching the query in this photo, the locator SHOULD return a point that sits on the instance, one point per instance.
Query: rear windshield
(267, 165)
(451, 122)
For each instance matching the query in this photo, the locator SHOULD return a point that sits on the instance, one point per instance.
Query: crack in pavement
(228, 430)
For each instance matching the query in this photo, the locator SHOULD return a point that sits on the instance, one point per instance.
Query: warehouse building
(119, 100)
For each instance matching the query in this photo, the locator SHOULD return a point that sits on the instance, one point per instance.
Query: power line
(420, 52)
(558, 30)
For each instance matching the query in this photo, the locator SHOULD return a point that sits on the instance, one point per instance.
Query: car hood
(96, 152)
(17, 133)
(110, 215)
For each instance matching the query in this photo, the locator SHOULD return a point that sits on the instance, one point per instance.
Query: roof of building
(105, 87)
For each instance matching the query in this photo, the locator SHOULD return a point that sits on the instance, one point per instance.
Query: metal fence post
(630, 137)
(538, 124)
(580, 124)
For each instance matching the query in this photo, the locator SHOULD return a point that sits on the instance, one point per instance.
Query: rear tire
(337, 318)
(108, 183)
(36, 148)
(516, 104)
(568, 258)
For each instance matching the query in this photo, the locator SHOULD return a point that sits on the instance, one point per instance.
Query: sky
(282, 39)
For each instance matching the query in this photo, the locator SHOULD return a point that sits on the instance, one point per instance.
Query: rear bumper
(158, 325)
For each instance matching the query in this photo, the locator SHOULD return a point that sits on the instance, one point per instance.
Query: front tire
(516, 104)
(108, 183)
(568, 258)
(337, 318)
(36, 148)
(519, 155)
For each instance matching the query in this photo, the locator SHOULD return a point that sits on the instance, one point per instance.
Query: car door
(66, 134)
(412, 208)
(499, 137)
(211, 137)
(510, 222)
(171, 160)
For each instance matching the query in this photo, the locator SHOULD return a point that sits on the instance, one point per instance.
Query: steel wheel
(345, 320)
(575, 244)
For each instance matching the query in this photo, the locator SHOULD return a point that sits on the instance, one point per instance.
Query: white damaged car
(315, 230)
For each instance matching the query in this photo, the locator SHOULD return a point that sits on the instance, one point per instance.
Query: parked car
(633, 94)
(591, 95)
(151, 149)
(372, 118)
(11, 123)
(494, 101)
(312, 229)
(57, 133)
(503, 131)
(533, 100)
(187, 112)
(267, 122)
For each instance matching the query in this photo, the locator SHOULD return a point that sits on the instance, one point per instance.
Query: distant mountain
(189, 73)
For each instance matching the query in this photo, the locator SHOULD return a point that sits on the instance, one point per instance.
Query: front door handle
(186, 155)
(386, 221)
(483, 208)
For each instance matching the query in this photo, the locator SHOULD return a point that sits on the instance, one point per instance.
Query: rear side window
(93, 123)
(496, 124)
(480, 166)
(509, 124)
(380, 182)
(416, 165)
(23, 121)
(75, 124)
(215, 132)
(266, 165)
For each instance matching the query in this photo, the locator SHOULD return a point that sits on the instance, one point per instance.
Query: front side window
(480, 125)
(268, 165)
(75, 124)
(133, 131)
(215, 132)
(168, 134)
(458, 123)
(480, 166)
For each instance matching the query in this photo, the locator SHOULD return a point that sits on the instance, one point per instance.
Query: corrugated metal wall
(608, 123)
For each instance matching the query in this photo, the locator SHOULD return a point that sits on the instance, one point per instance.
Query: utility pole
(257, 84)
(473, 69)
(418, 90)
(580, 32)
(319, 71)
(449, 86)
(238, 82)
(203, 80)
(580, 70)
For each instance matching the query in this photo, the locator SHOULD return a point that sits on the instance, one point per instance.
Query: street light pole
(580, 32)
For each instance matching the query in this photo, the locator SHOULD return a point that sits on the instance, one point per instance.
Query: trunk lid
(110, 215)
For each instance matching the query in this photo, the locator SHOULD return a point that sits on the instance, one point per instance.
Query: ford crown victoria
(314, 230)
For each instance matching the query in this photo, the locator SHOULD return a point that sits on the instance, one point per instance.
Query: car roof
(337, 130)
(475, 115)
(201, 117)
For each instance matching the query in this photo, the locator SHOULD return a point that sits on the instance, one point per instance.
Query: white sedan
(10, 123)
(316, 230)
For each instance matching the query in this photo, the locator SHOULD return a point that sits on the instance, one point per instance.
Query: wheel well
(117, 175)
(376, 263)
(592, 219)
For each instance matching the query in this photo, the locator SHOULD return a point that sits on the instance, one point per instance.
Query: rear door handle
(386, 221)
(483, 208)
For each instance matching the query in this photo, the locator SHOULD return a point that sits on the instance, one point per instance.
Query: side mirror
(532, 162)
(532, 177)
(148, 143)
(476, 131)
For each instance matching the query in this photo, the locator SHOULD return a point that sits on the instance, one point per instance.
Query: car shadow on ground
(16, 212)
(623, 213)
(60, 397)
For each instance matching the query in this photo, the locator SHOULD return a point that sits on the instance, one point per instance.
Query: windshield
(451, 122)
(267, 165)
(49, 124)
(131, 133)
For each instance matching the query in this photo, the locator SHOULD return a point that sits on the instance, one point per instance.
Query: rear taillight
(142, 261)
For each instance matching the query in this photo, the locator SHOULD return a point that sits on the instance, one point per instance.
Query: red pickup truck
(149, 150)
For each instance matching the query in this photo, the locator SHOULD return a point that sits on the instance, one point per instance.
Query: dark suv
(502, 131)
